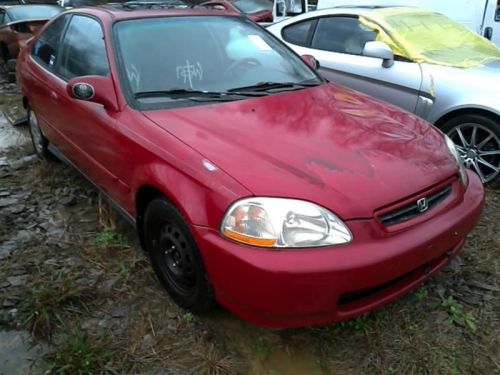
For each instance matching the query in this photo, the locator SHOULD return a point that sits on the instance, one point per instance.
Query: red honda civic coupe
(251, 181)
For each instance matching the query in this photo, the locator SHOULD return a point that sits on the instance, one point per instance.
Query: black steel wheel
(478, 141)
(40, 143)
(175, 257)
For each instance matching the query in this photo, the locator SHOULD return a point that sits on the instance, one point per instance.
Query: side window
(47, 45)
(497, 12)
(83, 51)
(2, 17)
(298, 33)
(341, 34)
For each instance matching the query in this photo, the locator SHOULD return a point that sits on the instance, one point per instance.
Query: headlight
(453, 150)
(278, 222)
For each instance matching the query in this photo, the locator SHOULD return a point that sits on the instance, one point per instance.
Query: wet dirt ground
(78, 295)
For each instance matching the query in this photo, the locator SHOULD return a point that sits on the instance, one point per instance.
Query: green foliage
(422, 294)
(261, 345)
(79, 355)
(188, 317)
(43, 307)
(457, 315)
(110, 238)
(363, 323)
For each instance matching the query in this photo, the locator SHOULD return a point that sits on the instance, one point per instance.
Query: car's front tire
(40, 143)
(175, 256)
(478, 140)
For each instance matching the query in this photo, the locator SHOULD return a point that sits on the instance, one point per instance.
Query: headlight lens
(279, 222)
(453, 150)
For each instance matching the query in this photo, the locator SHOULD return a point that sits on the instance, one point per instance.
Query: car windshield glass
(424, 36)
(253, 6)
(204, 53)
(32, 12)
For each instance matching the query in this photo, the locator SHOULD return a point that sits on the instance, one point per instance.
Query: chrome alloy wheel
(479, 148)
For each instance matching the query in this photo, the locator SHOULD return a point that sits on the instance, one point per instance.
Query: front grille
(412, 210)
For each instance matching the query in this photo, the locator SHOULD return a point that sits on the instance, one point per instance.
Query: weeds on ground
(46, 302)
(422, 294)
(261, 345)
(188, 317)
(212, 361)
(110, 238)
(457, 315)
(79, 354)
(362, 324)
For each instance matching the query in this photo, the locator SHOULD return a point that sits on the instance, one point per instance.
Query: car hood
(327, 144)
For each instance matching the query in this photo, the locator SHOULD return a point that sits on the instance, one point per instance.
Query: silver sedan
(463, 102)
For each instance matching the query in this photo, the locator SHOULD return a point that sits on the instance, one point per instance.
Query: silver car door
(337, 43)
(491, 23)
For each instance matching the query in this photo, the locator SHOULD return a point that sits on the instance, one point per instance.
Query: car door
(337, 43)
(491, 23)
(91, 131)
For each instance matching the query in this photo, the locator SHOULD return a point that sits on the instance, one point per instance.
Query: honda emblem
(422, 204)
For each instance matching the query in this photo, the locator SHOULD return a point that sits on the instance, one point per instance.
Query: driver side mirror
(311, 61)
(96, 89)
(379, 50)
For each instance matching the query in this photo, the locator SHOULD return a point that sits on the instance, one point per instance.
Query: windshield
(203, 53)
(424, 36)
(253, 6)
(33, 12)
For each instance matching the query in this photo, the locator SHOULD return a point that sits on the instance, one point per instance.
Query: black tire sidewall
(487, 122)
(45, 154)
(200, 299)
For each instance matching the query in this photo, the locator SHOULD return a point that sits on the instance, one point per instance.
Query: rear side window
(341, 34)
(298, 33)
(83, 51)
(46, 47)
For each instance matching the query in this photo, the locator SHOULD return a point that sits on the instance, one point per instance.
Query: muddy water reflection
(11, 136)
(16, 353)
(266, 351)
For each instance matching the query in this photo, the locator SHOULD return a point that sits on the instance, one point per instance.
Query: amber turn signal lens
(249, 240)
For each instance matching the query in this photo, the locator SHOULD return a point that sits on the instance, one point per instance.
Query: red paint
(329, 145)
(227, 5)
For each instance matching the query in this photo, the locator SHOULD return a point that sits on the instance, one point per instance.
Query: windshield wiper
(195, 94)
(274, 86)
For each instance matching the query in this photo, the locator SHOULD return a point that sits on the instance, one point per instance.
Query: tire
(38, 140)
(478, 140)
(175, 257)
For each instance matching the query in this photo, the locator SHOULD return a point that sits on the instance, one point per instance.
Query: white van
(481, 16)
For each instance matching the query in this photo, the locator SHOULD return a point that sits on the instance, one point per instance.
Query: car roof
(345, 9)
(120, 11)
(12, 6)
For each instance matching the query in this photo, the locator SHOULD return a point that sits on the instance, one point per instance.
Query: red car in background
(256, 10)
(251, 181)
(18, 23)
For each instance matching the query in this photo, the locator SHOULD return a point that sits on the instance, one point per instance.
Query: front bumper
(301, 287)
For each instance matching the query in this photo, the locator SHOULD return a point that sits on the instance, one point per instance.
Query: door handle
(488, 33)
(53, 95)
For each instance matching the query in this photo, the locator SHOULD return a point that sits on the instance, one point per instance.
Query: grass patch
(79, 354)
(44, 305)
(457, 315)
(110, 238)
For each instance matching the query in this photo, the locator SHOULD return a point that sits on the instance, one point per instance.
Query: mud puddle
(17, 352)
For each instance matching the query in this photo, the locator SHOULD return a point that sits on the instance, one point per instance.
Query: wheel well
(25, 102)
(5, 52)
(144, 195)
(467, 111)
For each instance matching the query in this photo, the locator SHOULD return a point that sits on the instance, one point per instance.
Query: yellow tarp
(425, 36)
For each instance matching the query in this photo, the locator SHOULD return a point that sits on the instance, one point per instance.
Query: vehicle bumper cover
(303, 287)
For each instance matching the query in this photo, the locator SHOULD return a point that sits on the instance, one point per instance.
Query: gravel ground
(74, 281)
